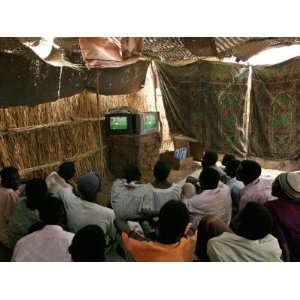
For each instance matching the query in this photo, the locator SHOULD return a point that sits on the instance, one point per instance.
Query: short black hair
(209, 159)
(277, 190)
(52, 211)
(248, 171)
(254, 221)
(172, 222)
(10, 177)
(88, 245)
(231, 167)
(132, 173)
(36, 191)
(209, 178)
(227, 158)
(67, 170)
(161, 170)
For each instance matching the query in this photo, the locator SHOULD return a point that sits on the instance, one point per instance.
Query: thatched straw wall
(80, 106)
(37, 139)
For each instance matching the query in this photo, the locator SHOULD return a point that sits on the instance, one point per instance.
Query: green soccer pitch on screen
(150, 121)
(118, 123)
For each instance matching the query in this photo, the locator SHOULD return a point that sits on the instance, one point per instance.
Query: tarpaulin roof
(33, 68)
(160, 48)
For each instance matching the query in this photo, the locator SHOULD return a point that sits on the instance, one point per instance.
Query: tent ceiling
(161, 48)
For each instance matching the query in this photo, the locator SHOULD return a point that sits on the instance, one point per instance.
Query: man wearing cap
(286, 214)
(82, 210)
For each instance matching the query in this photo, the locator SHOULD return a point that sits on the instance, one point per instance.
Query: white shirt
(162, 196)
(55, 183)
(216, 202)
(81, 213)
(131, 199)
(229, 247)
(259, 190)
(50, 244)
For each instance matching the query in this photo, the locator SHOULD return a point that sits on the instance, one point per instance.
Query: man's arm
(123, 227)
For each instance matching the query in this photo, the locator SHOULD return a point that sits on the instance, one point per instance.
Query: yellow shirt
(155, 251)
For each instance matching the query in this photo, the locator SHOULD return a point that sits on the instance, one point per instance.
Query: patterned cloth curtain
(207, 101)
(275, 111)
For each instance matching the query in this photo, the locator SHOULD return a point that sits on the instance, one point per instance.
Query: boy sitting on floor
(251, 242)
(175, 239)
(163, 190)
(130, 197)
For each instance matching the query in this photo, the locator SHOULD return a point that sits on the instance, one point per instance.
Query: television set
(146, 122)
(123, 122)
(120, 123)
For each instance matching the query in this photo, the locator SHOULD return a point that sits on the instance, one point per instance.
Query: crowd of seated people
(229, 214)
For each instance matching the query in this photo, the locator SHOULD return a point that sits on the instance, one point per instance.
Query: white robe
(229, 247)
(131, 199)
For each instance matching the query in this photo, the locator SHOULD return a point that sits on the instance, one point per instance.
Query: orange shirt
(155, 251)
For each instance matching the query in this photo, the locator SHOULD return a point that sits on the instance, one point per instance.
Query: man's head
(89, 185)
(88, 245)
(67, 170)
(248, 171)
(52, 211)
(231, 167)
(227, 158)
(161, 171)
(132, 173)
(172, 223)
(36, 192)
(209, 179)
(209, 159)
(255, 221)
(287, 186)
(10, 178)
(188, 190)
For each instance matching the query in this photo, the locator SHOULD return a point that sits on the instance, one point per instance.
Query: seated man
(252, 242)
(51, 243)
(286, 214)
(88, 245)
(256, 189)
(61, 179)
(210, 159)
(130, 197)
(26, 212)
(164, 191)
(234, 184)
(175, 240)
(81, 212)
(9, 197)
(214, 200)
(227, 158)
(89, 186)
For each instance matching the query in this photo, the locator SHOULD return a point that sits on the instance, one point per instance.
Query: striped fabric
(224, 44)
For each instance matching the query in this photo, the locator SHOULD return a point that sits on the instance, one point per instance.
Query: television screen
(118, 123)
(150, 120)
